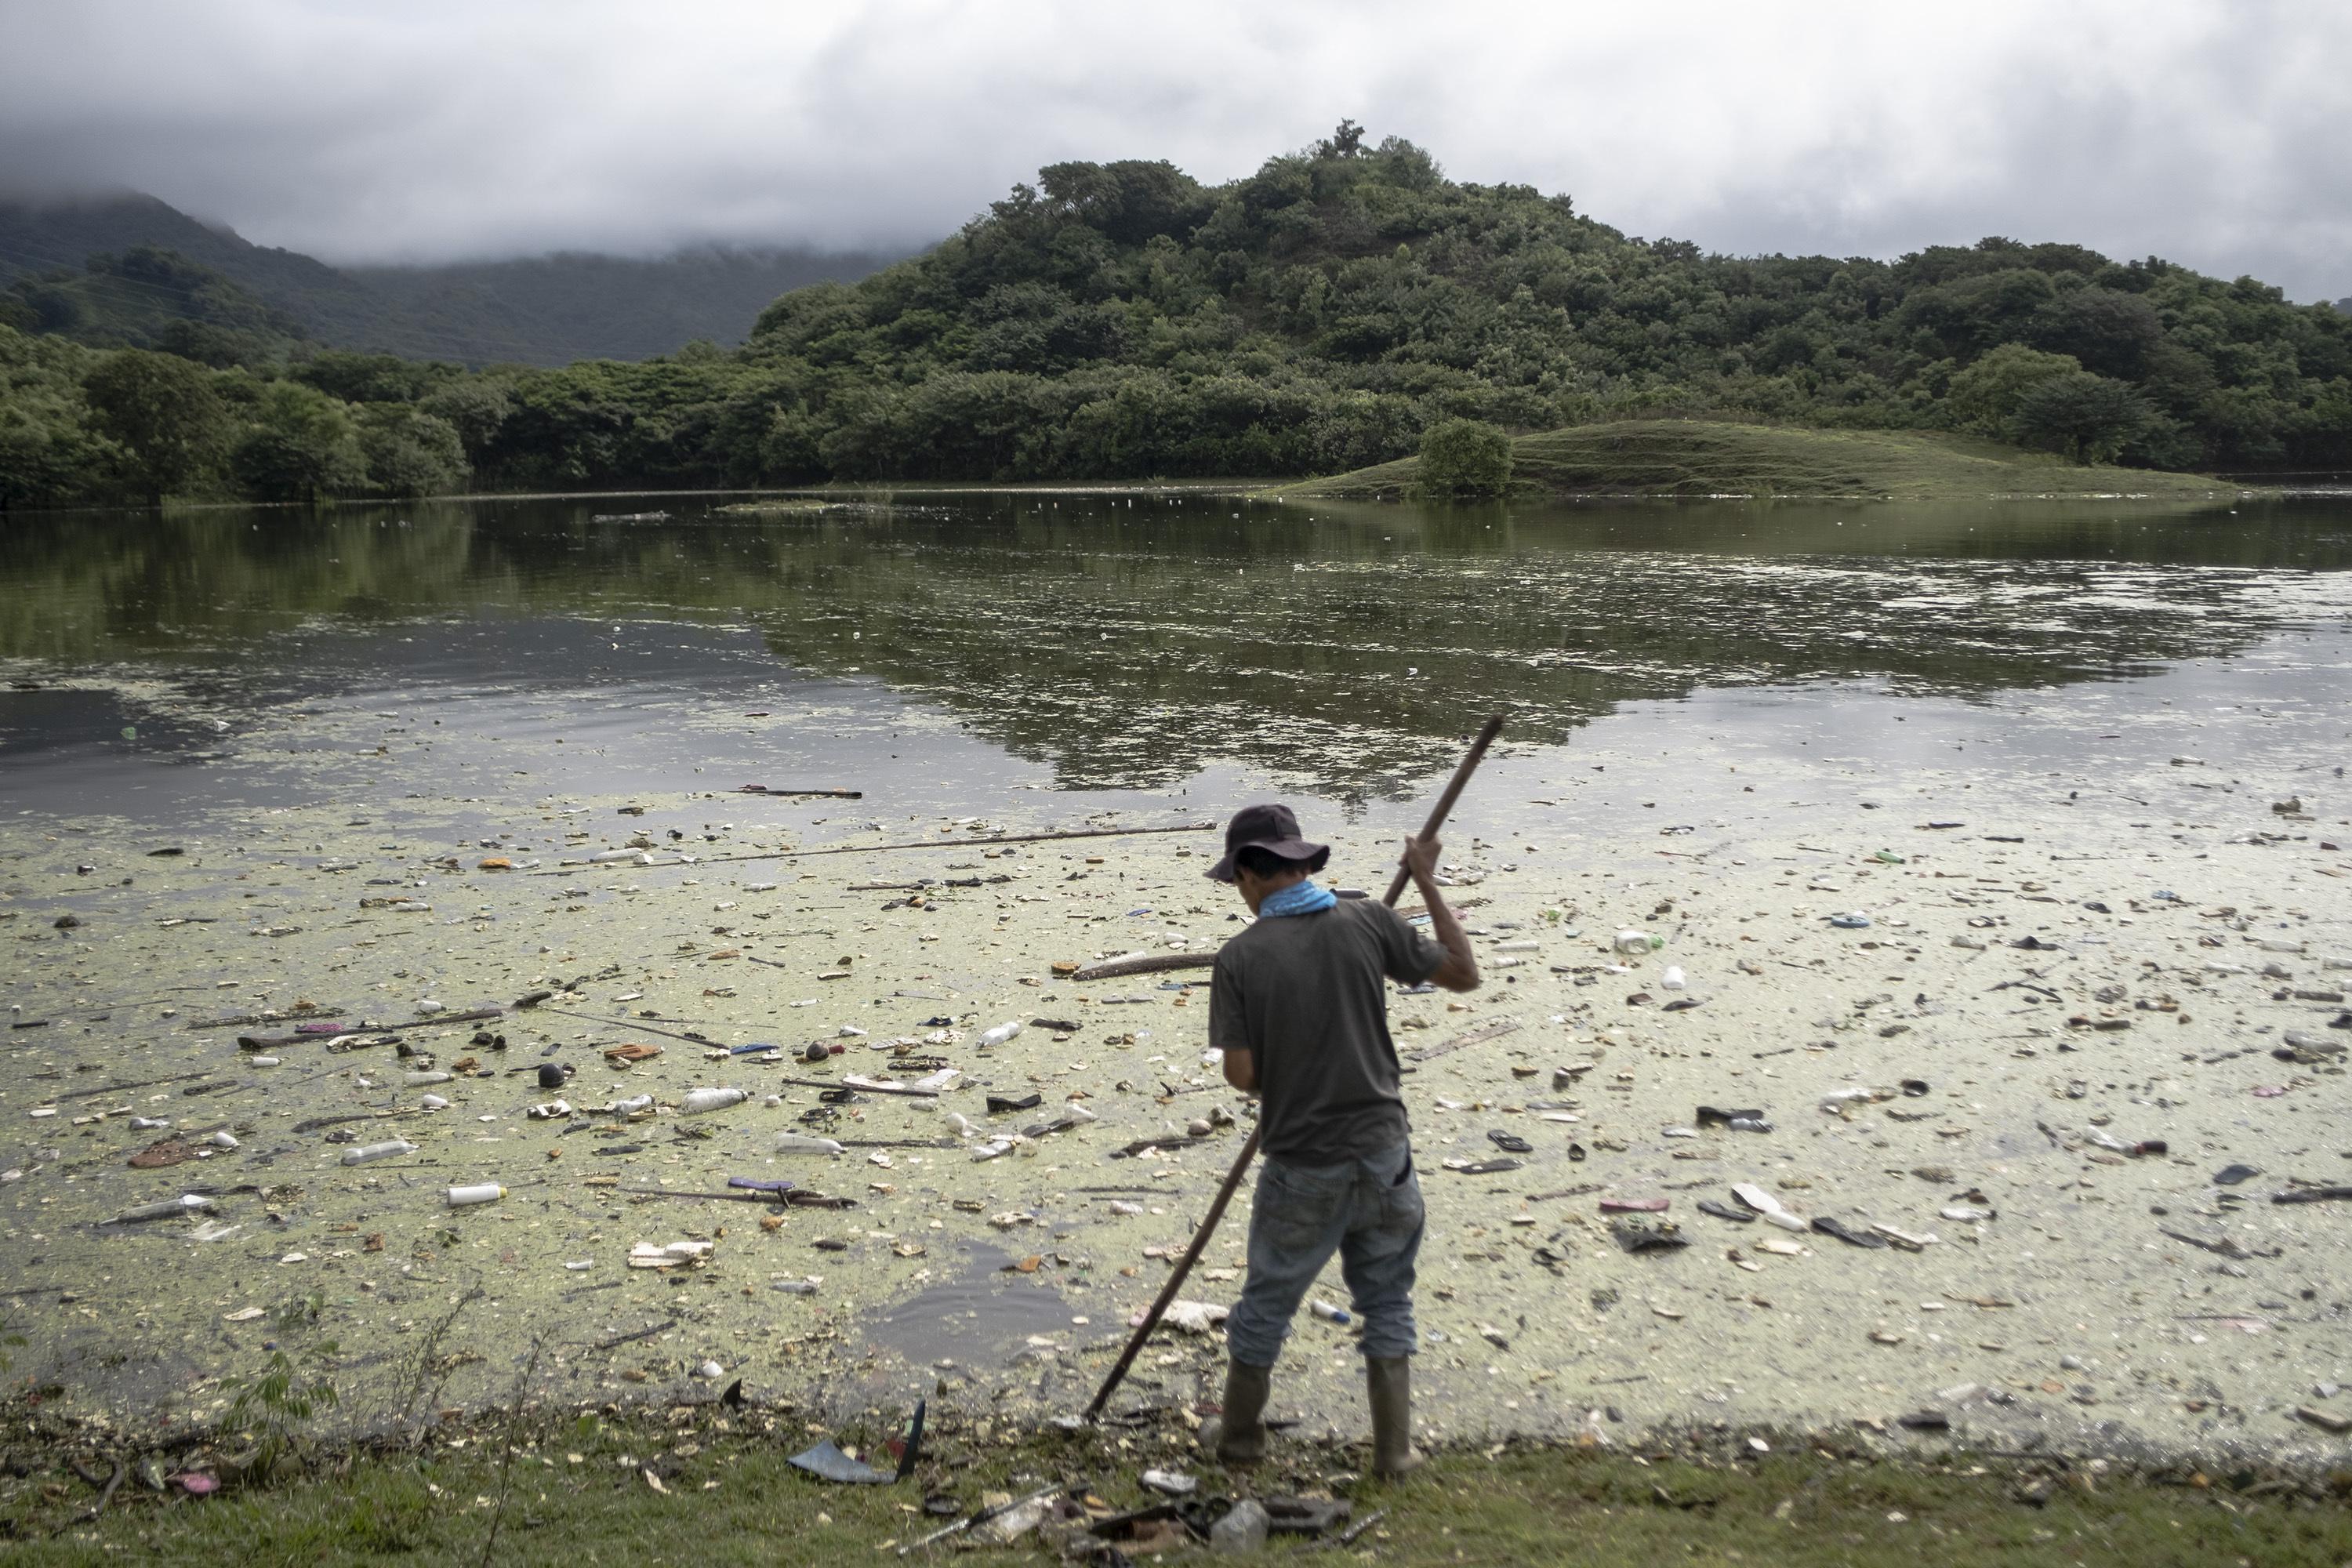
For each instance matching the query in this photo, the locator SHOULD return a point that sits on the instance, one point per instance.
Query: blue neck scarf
(1301, 897)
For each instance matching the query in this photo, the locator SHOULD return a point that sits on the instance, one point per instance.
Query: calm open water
(1116, 650)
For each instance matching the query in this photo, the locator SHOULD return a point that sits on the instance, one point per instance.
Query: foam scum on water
(2044, 1097)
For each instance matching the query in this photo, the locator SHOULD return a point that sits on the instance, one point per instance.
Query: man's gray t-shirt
(1302, 994)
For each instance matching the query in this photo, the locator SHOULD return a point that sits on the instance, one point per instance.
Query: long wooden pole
(1208, 1226)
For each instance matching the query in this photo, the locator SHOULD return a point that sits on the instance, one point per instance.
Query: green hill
(1691, 458)
(1123, 321)
(545, 310)
(150, 298)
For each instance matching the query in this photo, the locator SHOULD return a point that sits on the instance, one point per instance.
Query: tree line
(1123, 321)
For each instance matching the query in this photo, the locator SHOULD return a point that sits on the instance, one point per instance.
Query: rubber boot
(1388, 1382)
(1238, 1437)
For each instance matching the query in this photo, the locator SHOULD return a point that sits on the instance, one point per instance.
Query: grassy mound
(1694, 457)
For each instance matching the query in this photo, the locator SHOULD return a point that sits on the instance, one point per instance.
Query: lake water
(2063, 758)
(1118, 650)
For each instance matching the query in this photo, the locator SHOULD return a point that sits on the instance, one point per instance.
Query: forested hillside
(153, 298)
(1122, 321)
(543, 310)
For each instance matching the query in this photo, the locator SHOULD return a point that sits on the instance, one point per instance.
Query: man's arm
(1241, 1070)
(1459, 970)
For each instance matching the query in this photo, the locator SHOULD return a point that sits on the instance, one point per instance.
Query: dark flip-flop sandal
(1510, 1143)
(1828, 1226)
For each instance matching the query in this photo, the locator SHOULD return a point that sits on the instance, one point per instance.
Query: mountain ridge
(541, 310)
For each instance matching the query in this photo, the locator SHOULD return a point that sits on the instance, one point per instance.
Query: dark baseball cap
(1269, 827)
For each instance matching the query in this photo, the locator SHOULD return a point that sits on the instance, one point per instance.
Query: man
(1297, 1008)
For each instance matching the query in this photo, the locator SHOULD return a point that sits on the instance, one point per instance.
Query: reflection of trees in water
(1131, 643)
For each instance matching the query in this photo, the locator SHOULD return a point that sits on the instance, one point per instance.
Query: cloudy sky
(2212, 133)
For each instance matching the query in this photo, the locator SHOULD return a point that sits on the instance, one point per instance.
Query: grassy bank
(1710, 457)
(700, 1488)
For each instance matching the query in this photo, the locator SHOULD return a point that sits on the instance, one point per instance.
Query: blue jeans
(1367, 1211)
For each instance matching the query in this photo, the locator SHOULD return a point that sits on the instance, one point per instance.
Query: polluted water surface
(312, 879)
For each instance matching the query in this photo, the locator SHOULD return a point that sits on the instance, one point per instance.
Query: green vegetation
(1464, 458)
(544, 311)
(715, 1488)
(1321, 316)
(154, 298)
(82, 425)
(1723, 458)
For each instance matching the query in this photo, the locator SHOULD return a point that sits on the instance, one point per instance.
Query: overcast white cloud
(2212, 133)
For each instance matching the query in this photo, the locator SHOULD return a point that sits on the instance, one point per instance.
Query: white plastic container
(480, 1193)
(418, 1080)
(368, 1151)
(1634, 943)
(1000, 1035)
(702, 1100)
(802, 1143)
(1328, 1312)
(1674, 979)
(2279, 944)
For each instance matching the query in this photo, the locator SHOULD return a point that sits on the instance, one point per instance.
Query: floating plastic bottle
(802, 1143)
(481, 1193)
(191, 1202)
(702, 1100)
(368, 1151)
